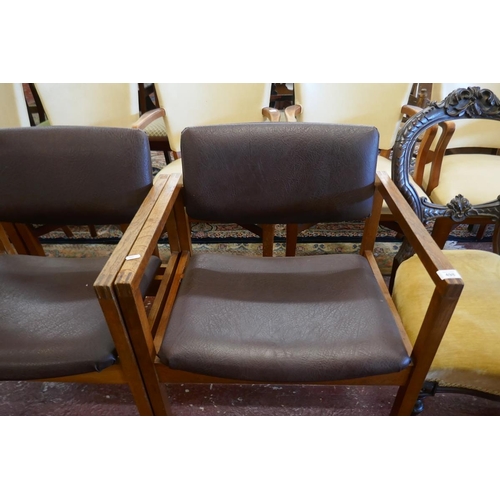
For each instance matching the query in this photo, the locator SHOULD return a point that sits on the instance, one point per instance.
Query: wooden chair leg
(442, 229)
(93, 231)
(292, 233)
(31, 242)
(480, 231)
(15, 238)
(267, 240)
(67, 231)
(496, 238)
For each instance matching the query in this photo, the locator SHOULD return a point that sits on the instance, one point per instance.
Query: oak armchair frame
(146, 327)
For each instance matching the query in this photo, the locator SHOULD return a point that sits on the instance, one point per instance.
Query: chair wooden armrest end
(148, 118)
(291, 112)
(410, 109)
(147, 235)
(430, 254)
(125, 247)
(272, 114)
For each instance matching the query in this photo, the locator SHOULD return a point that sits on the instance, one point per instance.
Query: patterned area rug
(231, 238)
(384, 250)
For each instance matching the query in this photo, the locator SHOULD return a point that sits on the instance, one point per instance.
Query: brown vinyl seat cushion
(304, 319)
(51, 322)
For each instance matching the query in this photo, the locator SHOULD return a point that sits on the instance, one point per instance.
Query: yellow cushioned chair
(468, 357)
(465, 161)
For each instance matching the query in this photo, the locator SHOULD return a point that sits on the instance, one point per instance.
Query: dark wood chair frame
(146, 327)
(444, 225)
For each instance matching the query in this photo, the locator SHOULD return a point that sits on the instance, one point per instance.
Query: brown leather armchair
(316, 320)
(53, 327)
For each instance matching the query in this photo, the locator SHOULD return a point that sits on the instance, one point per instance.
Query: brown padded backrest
(73, 175)
(279, 173)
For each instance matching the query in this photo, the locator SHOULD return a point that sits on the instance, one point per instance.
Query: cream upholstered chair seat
(475, 176)
(469, 354)
(156, 129)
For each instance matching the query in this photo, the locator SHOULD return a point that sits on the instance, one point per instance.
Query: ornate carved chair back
(472, 103)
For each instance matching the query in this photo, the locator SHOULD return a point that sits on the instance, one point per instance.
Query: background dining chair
(101, 105)
(98, 105)
(13, 111)
(53, 326)
(467, 358)
(382, 105)
(197, 104)
(465, 161)
(303, 320)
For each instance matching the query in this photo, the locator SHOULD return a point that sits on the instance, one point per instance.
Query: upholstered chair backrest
(279, 172)
(196, 104)
(13, 111)
(90, 104)
(73, 175)
(375, 104)
(470, 133)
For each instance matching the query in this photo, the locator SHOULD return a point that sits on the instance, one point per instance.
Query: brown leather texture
(282, 319)
(51, 322)
(73, 175)
(279, 173)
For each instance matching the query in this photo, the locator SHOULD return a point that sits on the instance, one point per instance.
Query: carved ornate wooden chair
(53, 327)
(465, 161)
(468, 358)
(197, 104)
(381, 105)
(319, 319)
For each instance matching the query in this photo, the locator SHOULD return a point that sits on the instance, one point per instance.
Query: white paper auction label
(132, 257)
(449, 274)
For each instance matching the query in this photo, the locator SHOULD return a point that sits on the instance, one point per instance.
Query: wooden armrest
(426, 248)
(6, 245)
(158, 192)
(140, 324)
(152, 227)
(272, 114)
(291, 112)
(410, 109)
(148, 118)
